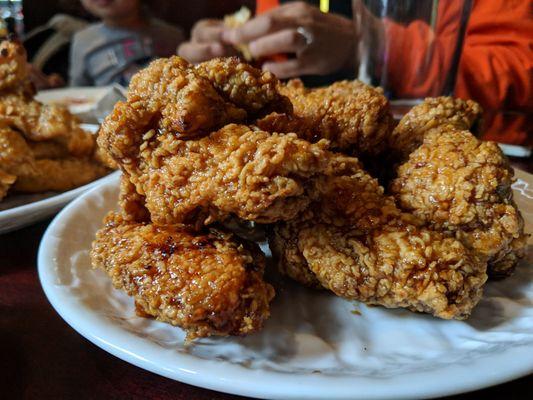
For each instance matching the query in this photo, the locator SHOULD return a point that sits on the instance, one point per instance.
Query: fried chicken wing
(13, 67)
(459, 184)
(353, 116)
(132, 204)
(170, 96)
(15, 155)
(6, 180)
(254, 175)
(249, 88)
(40, 122)
(432, 113)
(174, 96)
(208, 284)
(59, 175)
(23, 172)
(354, 241)
(42, 147)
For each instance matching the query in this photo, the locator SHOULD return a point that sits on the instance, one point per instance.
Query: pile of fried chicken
(202, 145)
(42, 147)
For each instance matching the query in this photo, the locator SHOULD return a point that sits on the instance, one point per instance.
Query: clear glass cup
(410, 48)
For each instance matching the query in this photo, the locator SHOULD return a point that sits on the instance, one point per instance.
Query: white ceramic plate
(77, 99)
(20, 210)
(314, 346)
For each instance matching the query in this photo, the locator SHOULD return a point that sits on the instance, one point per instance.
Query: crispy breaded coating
(249, 88)
(283, 241)
(176, 98)
(59, 175)
(32, 175)
(208, 284)
(433, 112)
(254, 175)
(353, 116)
(40, 175)
(354, 241)
(459, 184)
(132, 204)
(39, 122)
(345, 194)
(170, 96)
(42, 147)
(15, 155)
(36, 121)
(395, 266)
(6, 180)
(13, 67)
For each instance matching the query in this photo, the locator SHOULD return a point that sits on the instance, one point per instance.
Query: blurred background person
(125, 40)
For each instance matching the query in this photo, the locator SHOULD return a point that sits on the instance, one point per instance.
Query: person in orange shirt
(496, 64)
(495, 68)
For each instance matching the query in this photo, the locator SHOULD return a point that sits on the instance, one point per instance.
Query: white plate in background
(77, 99)
(314, 346)
(19, 209)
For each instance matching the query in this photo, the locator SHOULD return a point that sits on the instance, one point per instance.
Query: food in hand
(42, 148)
(235, 20)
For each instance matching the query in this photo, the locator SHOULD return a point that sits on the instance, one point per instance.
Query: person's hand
(322, 43)
(206, 42)
(42, 81)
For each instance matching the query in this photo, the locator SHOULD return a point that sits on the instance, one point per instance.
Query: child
(126, 39)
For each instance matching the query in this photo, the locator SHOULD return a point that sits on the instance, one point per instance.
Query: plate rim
(235, 379)
(92, 93)
(91, 90)
(93, 128)
(51, 203)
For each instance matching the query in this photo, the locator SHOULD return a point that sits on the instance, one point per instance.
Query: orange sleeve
(497, 63)
(496, 67)
(262, 6)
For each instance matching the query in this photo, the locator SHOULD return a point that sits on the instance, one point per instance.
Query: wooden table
(41, 357)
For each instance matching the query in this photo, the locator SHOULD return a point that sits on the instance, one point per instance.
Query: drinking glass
(410, 48)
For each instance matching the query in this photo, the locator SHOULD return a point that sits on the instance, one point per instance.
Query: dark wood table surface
(41, 357)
